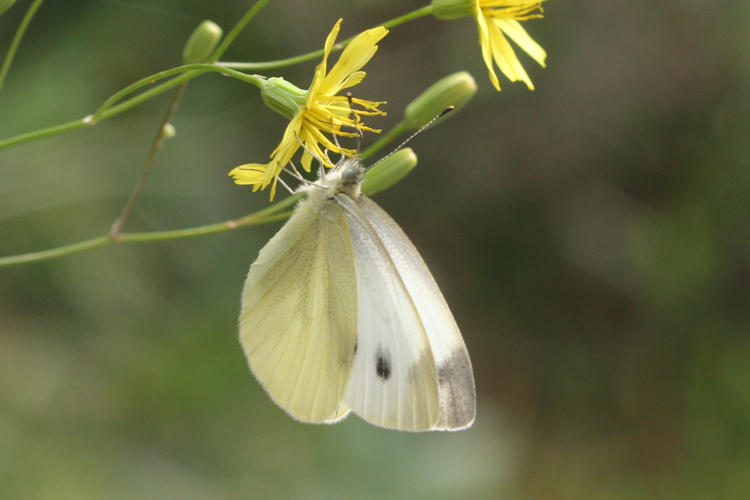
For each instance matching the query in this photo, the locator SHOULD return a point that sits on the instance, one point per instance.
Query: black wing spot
(356, 344)
(383, 364)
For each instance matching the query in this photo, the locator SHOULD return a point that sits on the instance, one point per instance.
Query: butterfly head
(345, 178)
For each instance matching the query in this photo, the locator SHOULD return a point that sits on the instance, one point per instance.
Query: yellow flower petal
(352, 80)
(507, 60)
(251, 174)
(355, 55)
(515, 32)
(497, 19)
(320, 69)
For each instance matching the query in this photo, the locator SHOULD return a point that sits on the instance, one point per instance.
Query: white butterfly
(340, 314)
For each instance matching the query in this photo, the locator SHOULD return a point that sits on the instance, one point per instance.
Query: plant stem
(224, 45)
(45, 132)
(17, 39)
(384, 140)
(289, 61)
(101, 241)
(155, 145)
(189, 71)
(108, 109)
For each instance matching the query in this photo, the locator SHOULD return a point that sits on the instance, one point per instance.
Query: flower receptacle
(282, 96)
(452, 9)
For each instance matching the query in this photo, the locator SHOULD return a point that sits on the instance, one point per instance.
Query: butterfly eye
(349, 174)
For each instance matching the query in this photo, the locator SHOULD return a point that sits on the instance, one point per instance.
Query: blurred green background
(592, 238)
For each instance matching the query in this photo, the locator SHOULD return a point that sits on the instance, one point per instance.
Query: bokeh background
(592, 238)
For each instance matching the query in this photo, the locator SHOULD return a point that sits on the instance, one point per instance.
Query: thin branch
(289, 61)
(384, 140)
(189, 71)
(17, 39)
(107, 240)
(155, 145)
(235, 31)
(108, 109)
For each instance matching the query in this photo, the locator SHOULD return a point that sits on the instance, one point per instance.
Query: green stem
(224, 45)
(101, 241)
(108, 109)
(421, 12)
(189, 71)
(45, 132)
(56, 252)
(384, 140)
(155, 145)
(17, 39)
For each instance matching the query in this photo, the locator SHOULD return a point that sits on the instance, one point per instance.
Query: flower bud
(168, 131)
(201, 43)
(5, 5)
(389, 171)
(453, 90)
(283, 97)
(452, 9)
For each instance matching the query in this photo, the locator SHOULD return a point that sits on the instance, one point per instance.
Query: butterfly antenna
(412, 136)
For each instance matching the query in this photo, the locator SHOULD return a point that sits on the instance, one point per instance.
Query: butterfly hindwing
(297, 330)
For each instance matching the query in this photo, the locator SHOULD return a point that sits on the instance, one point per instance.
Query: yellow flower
(317, 111)
(497, 19)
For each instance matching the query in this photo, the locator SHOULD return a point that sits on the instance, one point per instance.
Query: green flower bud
(452, 9)
(168, 131)
(453, 90)
(202, 42)
(389, 171)
(283, 97)
(5, 5)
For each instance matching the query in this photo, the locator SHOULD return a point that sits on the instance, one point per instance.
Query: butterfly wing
(406, 315)
(298, 332)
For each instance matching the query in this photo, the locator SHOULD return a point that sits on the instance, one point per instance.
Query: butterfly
(340, 314)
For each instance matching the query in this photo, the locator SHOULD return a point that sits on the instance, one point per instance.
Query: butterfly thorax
(345, 178)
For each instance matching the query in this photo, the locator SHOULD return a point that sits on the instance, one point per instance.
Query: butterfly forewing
(455, 379)
(394, 381)
(297, 328)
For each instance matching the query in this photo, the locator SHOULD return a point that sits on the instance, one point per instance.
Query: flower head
(498, 19)
(318, 111)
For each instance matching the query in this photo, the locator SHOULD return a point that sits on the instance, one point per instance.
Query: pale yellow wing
(299, 314)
